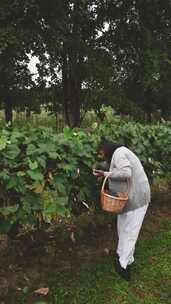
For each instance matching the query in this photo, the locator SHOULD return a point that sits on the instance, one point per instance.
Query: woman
(124, 165)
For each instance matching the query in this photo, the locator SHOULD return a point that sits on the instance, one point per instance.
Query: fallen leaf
(72, 236)
(42, 291)
(26, 278)
(107, 251)
(152, 259)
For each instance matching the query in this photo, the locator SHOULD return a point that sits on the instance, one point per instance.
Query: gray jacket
(126, 165)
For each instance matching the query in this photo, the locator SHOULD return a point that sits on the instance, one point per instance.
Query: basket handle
(107, 176)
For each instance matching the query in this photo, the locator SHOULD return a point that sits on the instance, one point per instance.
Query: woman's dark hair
(108, 147)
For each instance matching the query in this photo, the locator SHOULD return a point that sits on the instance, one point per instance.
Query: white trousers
(128, 227)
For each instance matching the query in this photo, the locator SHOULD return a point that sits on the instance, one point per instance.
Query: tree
(138, 37)
(17, 39)
(76, 55)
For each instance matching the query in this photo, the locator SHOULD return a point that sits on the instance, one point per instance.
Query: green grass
(95, 281)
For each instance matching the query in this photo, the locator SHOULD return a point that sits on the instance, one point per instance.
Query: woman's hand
(101, 173)
(98, 172)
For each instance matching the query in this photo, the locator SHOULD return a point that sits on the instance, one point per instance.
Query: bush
(44, 174)
(39, 172)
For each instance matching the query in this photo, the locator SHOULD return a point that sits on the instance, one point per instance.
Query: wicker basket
(111, 203)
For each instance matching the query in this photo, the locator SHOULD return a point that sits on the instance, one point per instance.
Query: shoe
(124, 273)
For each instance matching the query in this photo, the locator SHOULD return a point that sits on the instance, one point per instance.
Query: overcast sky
(32, 64)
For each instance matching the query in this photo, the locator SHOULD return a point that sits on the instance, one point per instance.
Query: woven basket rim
(125, 198)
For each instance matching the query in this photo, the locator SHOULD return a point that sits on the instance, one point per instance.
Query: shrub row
(44, 174)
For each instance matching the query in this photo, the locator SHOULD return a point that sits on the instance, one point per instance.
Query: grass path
(96, 282)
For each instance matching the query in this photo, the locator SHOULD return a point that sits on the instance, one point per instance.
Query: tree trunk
(71, 76)
(65, 85)
(71, 87)
(8, 111)
(28, 113)
(75, 102)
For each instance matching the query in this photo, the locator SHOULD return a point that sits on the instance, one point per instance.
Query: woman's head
(106, 148)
